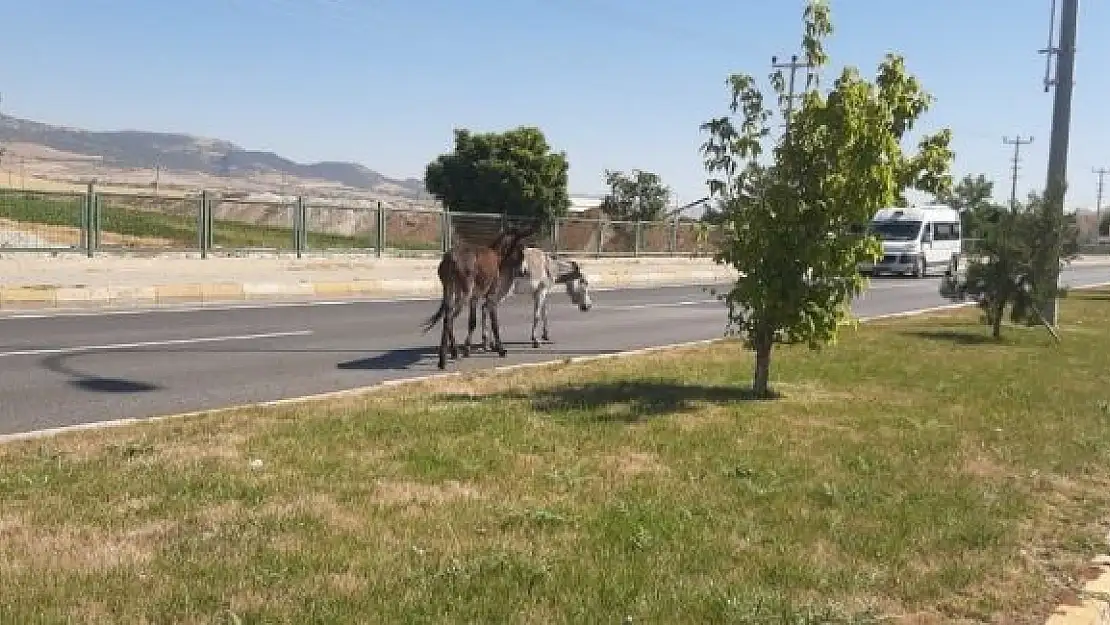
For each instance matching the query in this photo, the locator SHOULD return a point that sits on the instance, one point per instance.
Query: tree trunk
(996, 318)
(761, 382)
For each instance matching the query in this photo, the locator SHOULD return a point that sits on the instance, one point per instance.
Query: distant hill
(141, 149)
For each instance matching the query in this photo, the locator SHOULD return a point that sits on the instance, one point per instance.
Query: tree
(513, 172)
(641, 196)
(794, 232)
(972, 198)
(1003, 272)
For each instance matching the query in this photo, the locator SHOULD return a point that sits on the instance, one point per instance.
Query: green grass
(176, 230)
(917, 469)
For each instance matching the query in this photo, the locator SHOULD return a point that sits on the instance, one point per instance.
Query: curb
(68, 297)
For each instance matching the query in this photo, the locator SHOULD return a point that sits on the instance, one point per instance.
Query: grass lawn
(917, 470)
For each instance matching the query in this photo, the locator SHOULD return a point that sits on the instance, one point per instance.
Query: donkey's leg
(537, 304)
(495, 326)
(471, 323)
(453, 314)
(543, 313)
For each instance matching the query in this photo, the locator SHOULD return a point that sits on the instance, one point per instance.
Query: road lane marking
(276, 304)
(162, 343)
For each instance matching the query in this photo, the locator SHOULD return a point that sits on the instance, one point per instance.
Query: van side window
(946, 231)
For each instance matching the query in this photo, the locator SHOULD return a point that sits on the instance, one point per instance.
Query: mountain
(187, 153)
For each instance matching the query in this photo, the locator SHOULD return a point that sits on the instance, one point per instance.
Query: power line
(1016, 160)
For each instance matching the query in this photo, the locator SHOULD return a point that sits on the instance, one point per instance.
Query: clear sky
(618, 84)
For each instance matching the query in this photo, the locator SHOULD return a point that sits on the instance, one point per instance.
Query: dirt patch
(65, 236)
(78, 548)
(630, 463)
(403, 492)
(322, 507)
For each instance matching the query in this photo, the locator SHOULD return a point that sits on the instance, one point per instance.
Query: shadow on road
(94, 383)
(622, 402)
(402, 358)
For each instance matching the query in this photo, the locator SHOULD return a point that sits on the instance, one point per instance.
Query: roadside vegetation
(176, 227)
(921, 470)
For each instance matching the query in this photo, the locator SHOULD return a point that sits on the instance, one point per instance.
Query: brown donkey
(470, 273)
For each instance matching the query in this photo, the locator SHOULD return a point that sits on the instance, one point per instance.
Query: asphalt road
(66, 369)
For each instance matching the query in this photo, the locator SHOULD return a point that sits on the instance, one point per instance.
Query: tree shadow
(624, 402)
(957, 337)
(94, 383)
(1094, 296)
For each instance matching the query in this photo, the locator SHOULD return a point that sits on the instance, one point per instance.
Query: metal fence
(100, 222)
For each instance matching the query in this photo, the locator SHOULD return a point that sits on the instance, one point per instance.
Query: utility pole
(1101, 173)
(1017, 143)
(794, 65)
(1058, 146)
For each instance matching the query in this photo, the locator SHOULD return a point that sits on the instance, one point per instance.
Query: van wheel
(919, 269)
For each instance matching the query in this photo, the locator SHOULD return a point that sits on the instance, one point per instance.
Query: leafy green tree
(794, 235)
(641, 196)
(1002, 274)
(972, 198)
(514, 172)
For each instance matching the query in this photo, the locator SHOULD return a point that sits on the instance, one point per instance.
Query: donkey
(469, 273)
(539, 274)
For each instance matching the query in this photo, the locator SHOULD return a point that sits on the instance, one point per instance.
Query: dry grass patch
(917, 471)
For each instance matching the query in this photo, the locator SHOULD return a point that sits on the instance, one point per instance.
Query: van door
(945, 244)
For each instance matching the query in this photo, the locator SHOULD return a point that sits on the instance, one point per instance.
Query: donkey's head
(578, 286)
(510, 245)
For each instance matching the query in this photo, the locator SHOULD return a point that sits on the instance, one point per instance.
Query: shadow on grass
(627, 402)
(1094, 296)
(956, 337)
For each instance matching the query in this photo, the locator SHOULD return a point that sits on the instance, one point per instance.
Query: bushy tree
(972, 198)
(1003, 271)
(794, 220)
(514, 172)
(639, 196)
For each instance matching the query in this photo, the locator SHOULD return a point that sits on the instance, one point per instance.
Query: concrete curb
(69, 297)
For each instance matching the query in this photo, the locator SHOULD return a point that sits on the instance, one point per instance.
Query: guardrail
(99, 222)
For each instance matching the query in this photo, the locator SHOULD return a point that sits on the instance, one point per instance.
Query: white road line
(190, 341)
(660, 305)
(277, 303)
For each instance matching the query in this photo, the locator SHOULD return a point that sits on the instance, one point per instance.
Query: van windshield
(896, 230)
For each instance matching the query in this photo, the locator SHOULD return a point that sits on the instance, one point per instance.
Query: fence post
(383, 219)
(674, 237)
(202, 224)
(379, 227)
(600, 237)
(636, 233)
(209, 237)
(445, 230)
(299, 237)
(91, 222)
(85, 203)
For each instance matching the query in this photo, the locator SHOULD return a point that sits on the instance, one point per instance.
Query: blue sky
(618, 84)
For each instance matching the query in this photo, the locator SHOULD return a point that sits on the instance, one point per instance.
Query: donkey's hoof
(546, 338)
(535, 343)
(466, 352)
(502, 352)
(442, 364)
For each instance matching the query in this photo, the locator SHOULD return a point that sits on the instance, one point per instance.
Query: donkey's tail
(434, 319)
